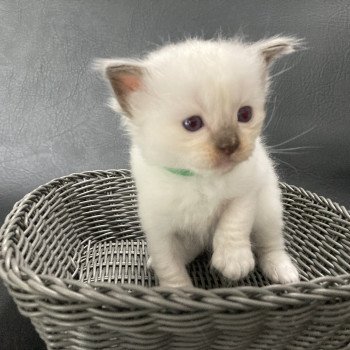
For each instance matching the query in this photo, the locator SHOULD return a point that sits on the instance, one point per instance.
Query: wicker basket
(73, 256)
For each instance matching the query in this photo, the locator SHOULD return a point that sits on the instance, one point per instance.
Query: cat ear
(275, 47)
(125, 77)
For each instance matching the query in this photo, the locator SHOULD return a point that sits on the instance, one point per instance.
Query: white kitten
(195, 111)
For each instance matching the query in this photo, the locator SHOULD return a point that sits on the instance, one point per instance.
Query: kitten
(195, 111)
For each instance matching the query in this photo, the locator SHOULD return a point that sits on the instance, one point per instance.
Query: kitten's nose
(228, 148)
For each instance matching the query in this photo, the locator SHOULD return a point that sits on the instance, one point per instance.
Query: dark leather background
(52, 106)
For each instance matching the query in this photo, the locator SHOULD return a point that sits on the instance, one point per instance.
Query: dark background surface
(53, 114)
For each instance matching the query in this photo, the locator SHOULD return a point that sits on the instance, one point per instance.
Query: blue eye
(193, 123)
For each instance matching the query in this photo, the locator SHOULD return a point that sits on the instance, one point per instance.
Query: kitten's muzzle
(227, 148)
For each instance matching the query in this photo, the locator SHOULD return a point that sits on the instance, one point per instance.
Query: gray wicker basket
(73, 256)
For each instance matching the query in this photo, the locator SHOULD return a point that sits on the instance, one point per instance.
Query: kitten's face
(196, 105)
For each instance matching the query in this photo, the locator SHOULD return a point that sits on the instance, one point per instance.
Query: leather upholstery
(53, 114)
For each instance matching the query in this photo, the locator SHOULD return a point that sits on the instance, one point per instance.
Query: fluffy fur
(233, 202)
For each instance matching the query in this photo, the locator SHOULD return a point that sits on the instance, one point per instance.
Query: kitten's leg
(268, 238)
(232, 254)
(191, 249)
(169, 258)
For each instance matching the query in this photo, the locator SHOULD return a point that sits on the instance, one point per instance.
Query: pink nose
(228, 148)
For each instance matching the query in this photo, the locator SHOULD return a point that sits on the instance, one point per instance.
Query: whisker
(294, 137)
(272, 114)
(281, 72)
(270, 148)
(291, 166)
(285, 152)
(300, 147)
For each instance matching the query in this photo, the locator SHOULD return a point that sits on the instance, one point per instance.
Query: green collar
(180, 172)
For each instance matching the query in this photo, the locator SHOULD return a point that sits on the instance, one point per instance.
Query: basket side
(94, 209)
(46, 231)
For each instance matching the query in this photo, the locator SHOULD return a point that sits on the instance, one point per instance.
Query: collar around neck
(180, 172)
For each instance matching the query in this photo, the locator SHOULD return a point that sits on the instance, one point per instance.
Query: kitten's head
(198, 105)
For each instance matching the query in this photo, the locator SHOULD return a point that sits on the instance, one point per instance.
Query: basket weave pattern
(73, 256)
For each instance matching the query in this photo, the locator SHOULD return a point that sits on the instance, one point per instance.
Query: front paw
(278, 267)
(232, 261)
(178, 283)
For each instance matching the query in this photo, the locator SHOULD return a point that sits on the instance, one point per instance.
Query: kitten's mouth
(225, 165)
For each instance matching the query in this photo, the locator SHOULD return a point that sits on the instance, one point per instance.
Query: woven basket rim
(240, 297)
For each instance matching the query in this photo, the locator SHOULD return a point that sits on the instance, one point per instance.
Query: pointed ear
(125, 77)
(275, 47)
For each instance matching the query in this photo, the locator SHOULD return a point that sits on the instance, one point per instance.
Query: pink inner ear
(130, 82)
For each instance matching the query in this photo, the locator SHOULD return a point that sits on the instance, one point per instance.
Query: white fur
(233, 206)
